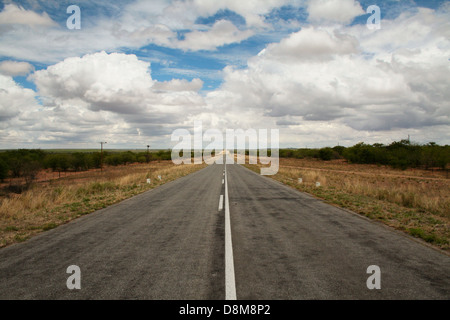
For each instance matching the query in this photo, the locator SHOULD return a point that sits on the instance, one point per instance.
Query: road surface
(170, 243)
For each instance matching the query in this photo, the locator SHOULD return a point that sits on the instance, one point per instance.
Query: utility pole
(148, 153)
(101, 156)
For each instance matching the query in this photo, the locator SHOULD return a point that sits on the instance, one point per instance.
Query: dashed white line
(221, 202)
(230, 284)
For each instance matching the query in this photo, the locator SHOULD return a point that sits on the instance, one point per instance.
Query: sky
(136, 71)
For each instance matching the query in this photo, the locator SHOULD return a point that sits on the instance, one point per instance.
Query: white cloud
(109, 95)
(411, 30)
(221, 33)
(139, 24)
(15, 68)
(332, 11)
(252, 10)
(313, 44)
(179, 85)
(114, 82)
(320, 77)
(48, 45)
(14, 98)
(158, 34)
(13, 14)
(157, 22)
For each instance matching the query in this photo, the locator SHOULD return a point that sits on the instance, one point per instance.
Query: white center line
(221, 202)
(230, 285)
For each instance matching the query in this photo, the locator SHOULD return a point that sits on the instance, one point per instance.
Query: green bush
(164, 155)
(4, 169)
(128, 157)
(113, 159)
(57, 162)
(81, 161)
(326, 154)
(400, 154)
(18, 160)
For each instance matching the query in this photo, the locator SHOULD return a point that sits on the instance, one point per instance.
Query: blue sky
(222, 62)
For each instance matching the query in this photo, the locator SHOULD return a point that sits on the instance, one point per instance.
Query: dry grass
(49, 204)
(414, 201)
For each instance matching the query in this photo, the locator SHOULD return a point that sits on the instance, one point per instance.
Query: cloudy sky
(138, 70)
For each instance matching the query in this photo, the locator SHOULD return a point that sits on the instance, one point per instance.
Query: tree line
(26, 163)
(403, 154)
(399, 154)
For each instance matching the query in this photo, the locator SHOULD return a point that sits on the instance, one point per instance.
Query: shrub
(4, 169)
(326, 154)
(81, 161)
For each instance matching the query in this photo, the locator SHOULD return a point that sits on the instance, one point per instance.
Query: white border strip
(221, 202)
(230, 284)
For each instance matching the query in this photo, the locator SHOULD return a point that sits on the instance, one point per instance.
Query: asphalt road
(169, 243)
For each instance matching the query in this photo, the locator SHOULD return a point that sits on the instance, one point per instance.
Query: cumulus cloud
(313, 44)
(252, 10)
(163, 19)
(14, 99)
(112, 95)
(179, 85)
(347, 78)
(139, 24)
(15, 68)
(115, 82)
(158, 34)
(332, 11)
(13, 14)
(223, 32)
